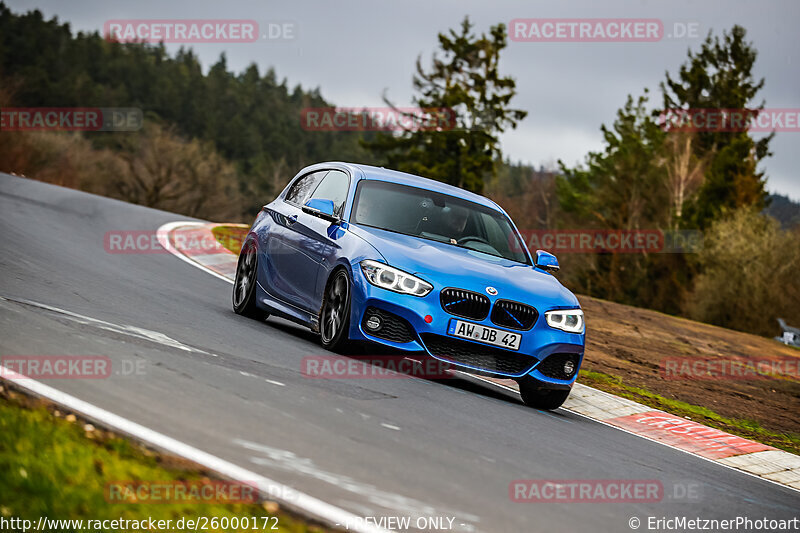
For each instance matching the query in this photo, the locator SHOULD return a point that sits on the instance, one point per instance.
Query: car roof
(403, 178)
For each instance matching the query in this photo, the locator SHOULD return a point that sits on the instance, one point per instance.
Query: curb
(287, 497)
(194, 243)
(728, 450)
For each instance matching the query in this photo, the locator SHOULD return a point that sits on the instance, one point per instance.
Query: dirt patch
(635, 345)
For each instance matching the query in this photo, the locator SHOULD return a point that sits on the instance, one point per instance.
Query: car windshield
(438, 217)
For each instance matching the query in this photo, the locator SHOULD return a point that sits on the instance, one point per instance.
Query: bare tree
(684, 170)
(167, 172)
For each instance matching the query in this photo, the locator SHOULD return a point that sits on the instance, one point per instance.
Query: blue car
(359, 253)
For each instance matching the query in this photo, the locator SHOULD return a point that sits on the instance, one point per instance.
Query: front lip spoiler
(543, 385)
(477, 370)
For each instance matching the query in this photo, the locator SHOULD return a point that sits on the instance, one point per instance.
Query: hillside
(784, 210)
(636, 344)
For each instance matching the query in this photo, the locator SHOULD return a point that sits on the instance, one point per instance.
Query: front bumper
(536, 344)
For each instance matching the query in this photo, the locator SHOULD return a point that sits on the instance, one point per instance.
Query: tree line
(220, 144)
(250, 119)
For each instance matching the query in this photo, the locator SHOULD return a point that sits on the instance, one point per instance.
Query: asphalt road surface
(233, 387)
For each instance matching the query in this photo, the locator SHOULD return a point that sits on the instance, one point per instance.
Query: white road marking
(291, 462)
(132, 331)
(278, 383)
(269, 488)
(163, 239)
(389, 426)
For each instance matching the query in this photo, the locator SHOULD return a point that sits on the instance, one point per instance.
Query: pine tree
(465, 80)
(719, 77)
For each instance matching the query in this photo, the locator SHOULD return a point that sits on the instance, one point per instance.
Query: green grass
(737, 426)
(230, 236)
(50, 467)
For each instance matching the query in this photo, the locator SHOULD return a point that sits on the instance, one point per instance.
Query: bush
(154, 167)
(165, 171)
(750, 275)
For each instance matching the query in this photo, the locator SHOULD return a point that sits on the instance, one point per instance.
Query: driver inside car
(455, 220)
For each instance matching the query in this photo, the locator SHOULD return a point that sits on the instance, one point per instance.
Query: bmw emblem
(491, 291)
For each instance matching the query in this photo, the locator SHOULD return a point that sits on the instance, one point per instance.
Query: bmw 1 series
(364, 254)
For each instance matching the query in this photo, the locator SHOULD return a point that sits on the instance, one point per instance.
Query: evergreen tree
(620, 187)
(251, 119)
(466, 81)
(720, 76)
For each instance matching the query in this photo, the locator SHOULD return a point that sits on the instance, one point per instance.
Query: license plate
(484, 334)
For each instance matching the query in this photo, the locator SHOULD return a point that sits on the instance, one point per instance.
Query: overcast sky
(357, 50)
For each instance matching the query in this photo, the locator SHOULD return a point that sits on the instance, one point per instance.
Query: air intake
(466, 304)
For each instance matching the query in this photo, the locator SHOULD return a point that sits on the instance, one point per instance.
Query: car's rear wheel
(244, 285)
(335, 317)
(533, 395)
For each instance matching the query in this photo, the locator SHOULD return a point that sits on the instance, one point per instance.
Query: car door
(288, 265)
(334, 187)
(301, 247)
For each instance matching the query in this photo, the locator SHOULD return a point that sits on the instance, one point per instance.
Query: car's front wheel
(244, 285)
(335, 315)
(533, 395)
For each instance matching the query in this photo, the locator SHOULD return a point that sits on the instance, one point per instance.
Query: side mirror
(546, 261)
(321, 208)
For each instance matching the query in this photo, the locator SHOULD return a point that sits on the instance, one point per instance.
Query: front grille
(553, 365)
(487, 358)
(465, 304)
(514, 315)
(393, 328)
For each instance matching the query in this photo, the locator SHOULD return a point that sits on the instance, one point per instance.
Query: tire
(244, 285)
(334, 323)
(538, 398)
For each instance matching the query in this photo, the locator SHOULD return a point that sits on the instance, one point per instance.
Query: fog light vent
(374, 322)
(385, 325)
(560, 365)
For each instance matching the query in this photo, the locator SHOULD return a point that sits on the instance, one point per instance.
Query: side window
(302, 188)
(334, 187)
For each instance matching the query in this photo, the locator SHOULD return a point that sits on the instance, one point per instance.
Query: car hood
(446, 265)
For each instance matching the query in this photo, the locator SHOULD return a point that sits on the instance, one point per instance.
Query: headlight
(569, 320)
(389, 278)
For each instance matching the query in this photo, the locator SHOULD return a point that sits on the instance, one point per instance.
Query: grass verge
(749, 429)
(54, 465)
(230, 236)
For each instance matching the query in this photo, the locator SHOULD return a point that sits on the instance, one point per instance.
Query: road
(233, 387)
